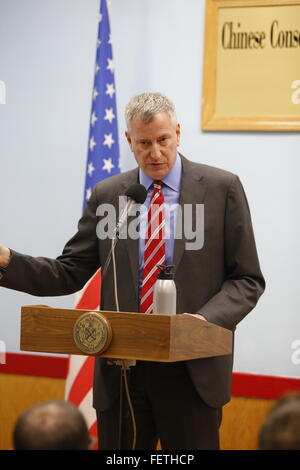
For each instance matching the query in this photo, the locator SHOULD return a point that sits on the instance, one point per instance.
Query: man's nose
(155, 151)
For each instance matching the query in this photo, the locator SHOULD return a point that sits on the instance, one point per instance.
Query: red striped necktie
(154, 251)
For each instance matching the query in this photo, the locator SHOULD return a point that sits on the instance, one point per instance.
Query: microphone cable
(124, 367)
(136, 193)
(115, 274)
(130, 406)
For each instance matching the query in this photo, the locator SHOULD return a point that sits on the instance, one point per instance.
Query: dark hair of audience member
(51, 425)
(281, 430)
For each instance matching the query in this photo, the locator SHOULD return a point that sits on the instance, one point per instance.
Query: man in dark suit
(220, 282)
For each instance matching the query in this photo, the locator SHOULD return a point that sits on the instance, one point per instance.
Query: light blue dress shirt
(171, 190)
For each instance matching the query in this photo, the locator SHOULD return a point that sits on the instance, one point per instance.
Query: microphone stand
(124, 363)
(137, 194)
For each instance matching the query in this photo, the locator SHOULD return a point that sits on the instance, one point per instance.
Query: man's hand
(4, 256)
(197, 315)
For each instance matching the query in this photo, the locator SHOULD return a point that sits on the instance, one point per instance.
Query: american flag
(102, 162)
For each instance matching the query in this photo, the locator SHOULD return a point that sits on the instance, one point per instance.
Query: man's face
(154, 144)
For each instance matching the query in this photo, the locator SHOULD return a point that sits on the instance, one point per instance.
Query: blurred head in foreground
(51, 425)
(281, 430)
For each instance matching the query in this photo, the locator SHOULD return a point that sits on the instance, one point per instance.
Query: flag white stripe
(75, 365)
(104, 86)
(86, 407)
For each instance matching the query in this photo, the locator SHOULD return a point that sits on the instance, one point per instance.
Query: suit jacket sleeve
(243, 281)
(64, 275)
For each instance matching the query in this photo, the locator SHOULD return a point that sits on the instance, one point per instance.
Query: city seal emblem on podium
(92, 333)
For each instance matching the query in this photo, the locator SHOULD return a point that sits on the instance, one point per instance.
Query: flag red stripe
(93, 429)
(81, 385)
(83, 382)
(90, 297)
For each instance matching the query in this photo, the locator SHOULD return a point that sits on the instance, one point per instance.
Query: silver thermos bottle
(164, 296)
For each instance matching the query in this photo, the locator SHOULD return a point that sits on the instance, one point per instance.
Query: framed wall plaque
(251, 75)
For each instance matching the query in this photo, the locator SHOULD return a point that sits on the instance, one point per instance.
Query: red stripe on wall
(263, 386)
(36, 365)
(246, 385)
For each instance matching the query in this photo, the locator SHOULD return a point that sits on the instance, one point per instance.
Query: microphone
(136, 193)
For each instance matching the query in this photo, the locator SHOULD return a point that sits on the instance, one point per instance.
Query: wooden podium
(165, 338)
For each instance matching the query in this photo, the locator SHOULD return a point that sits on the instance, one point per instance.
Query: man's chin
(157, 173)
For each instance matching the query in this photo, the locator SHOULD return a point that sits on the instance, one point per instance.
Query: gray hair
(147, 105)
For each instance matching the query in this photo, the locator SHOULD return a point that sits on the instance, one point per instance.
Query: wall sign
(252, 65)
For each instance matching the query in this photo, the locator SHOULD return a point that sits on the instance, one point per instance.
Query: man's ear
(128, 137)
(178, 133)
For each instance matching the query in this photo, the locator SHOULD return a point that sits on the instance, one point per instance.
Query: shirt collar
(172, 179)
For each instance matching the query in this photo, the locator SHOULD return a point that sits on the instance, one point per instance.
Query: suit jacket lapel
(192, 191)
(132, 246)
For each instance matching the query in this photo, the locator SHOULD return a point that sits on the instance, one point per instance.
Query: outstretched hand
(197, 315)
(4, 256)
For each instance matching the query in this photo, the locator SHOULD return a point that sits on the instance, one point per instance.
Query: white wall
(47, 50)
